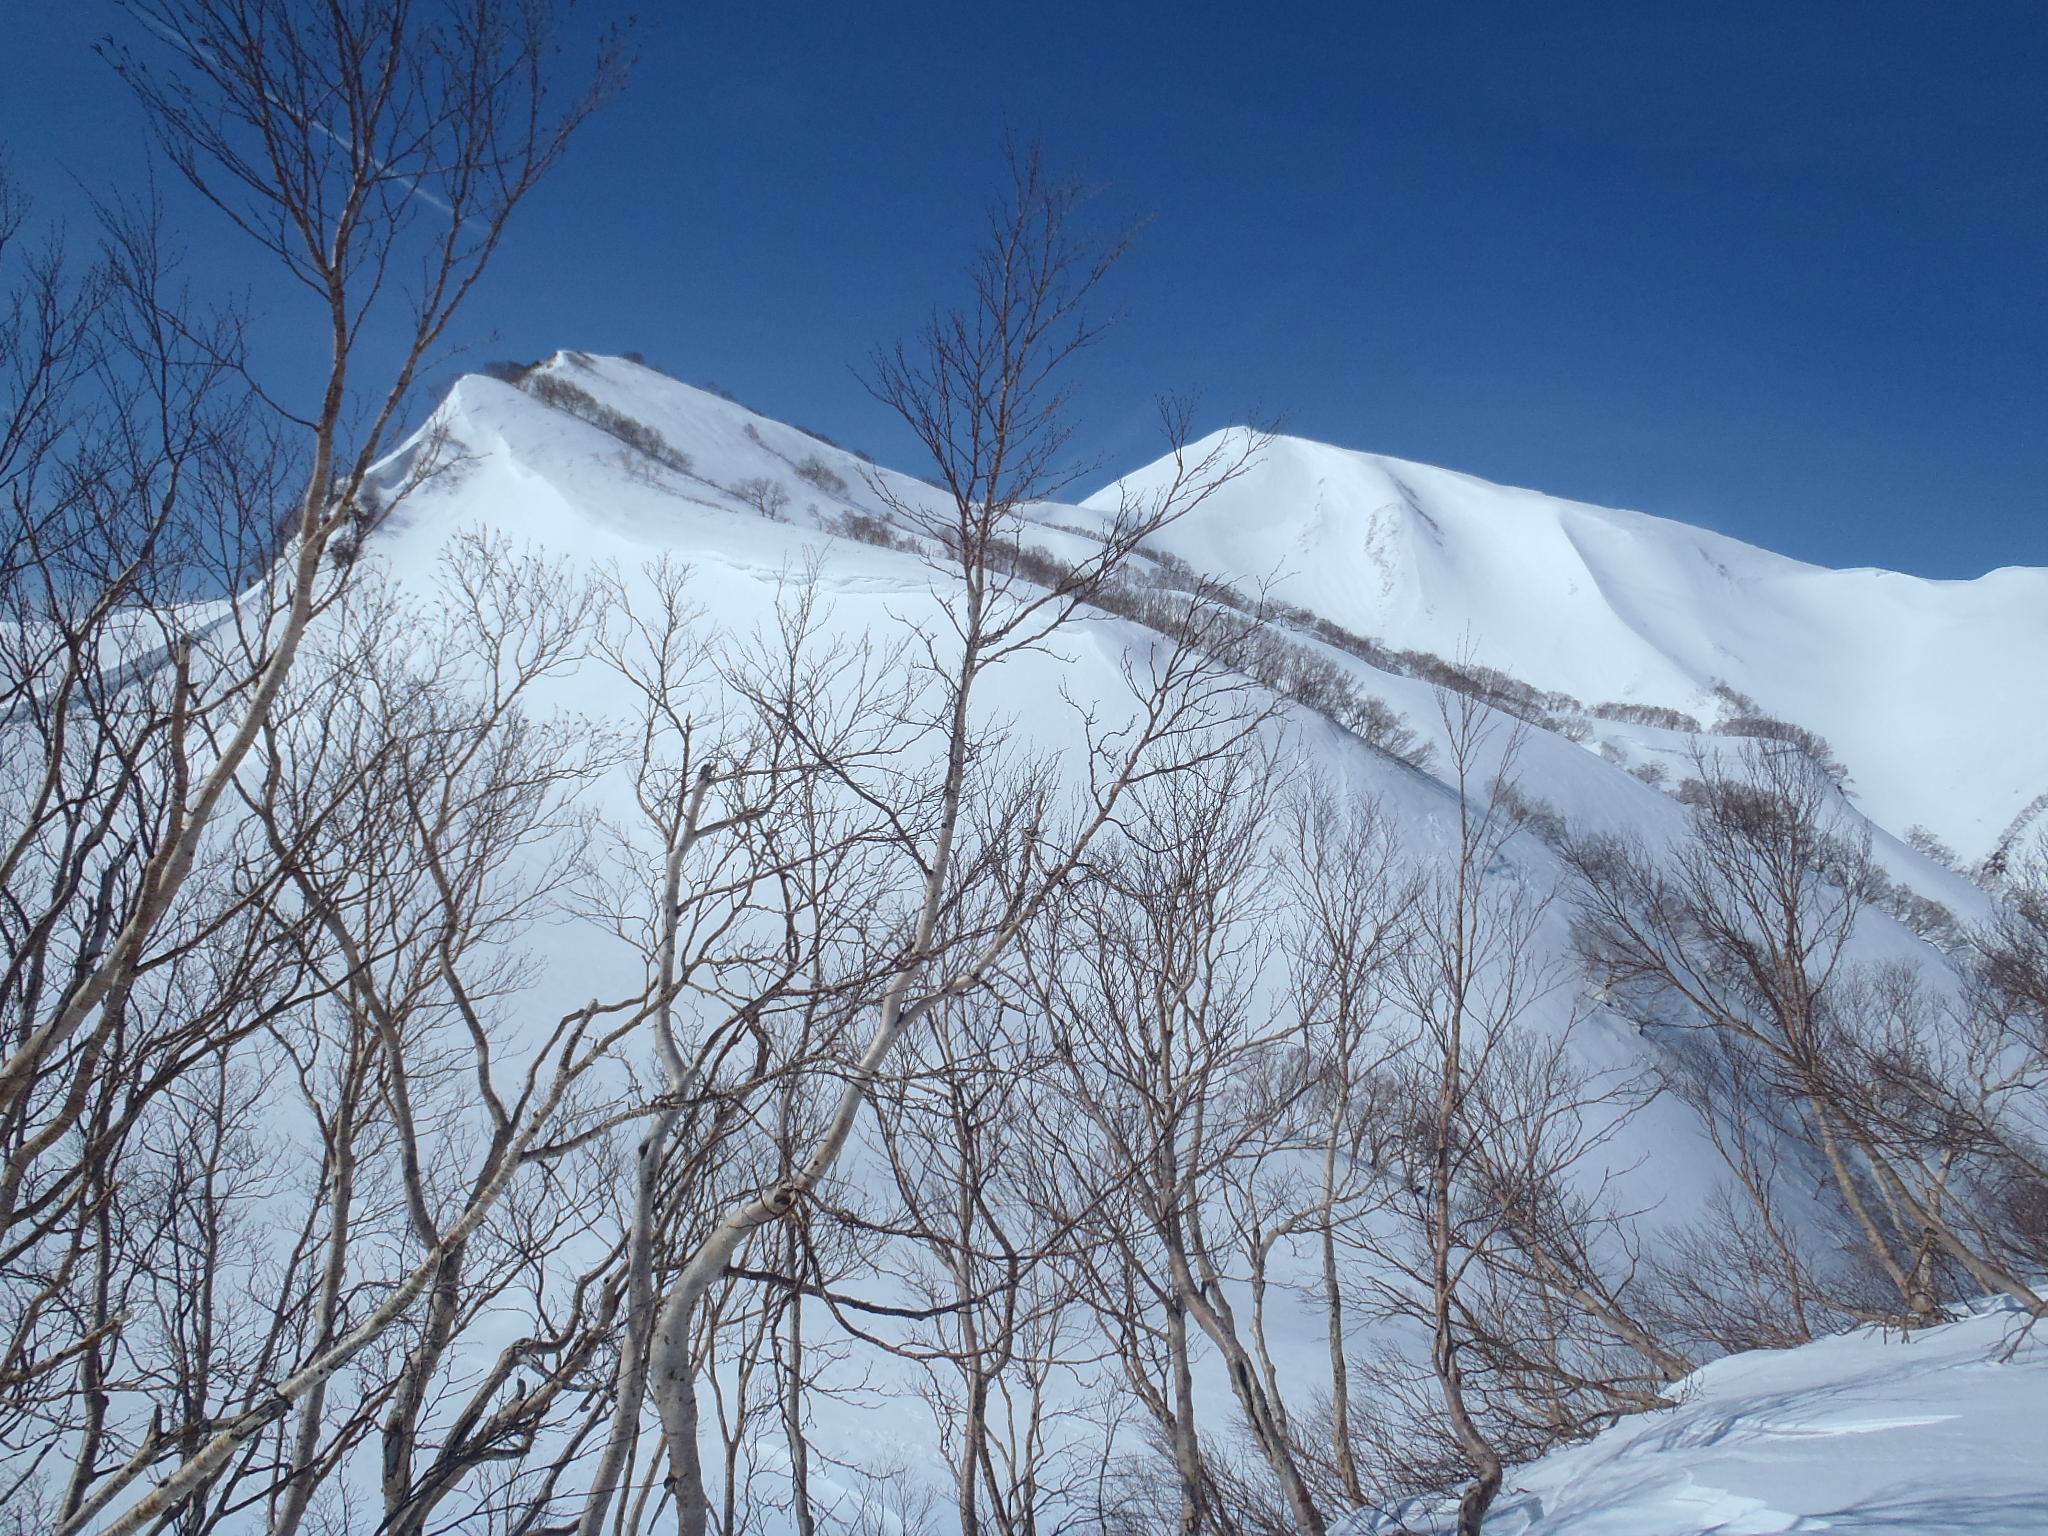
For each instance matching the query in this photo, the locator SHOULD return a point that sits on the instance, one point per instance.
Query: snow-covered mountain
(1617, 623)
(1914, 682)
(612, 463)
(1918, 684)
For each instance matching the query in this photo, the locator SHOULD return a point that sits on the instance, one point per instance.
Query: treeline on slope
(567, 395)
(767, 497)
(1272, 655)
(1548, 709)
(522, 375)
(1260, 651)
(1291, 669)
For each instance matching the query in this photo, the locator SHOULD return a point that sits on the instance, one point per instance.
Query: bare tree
(961, 1125)
(144, 469)
(1999, 1114)
(1467, 986)
(1747, 930)
(761, 776)
(321, 137)
(455, 1149)
(1353, 896)
(1498, 1235)
(473, 797)
(1149, 978)
(984, 395)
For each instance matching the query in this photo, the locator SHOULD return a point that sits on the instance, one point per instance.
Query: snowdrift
(1926, 1435)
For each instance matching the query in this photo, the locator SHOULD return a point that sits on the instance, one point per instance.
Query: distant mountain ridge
(1913, 681)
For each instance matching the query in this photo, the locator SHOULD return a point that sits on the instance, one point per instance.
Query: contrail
(163, 28)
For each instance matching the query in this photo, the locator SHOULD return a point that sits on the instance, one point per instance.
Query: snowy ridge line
(1550, 605)
(1294, 672)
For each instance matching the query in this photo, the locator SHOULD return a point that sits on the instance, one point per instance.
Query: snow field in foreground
(1937, 1432)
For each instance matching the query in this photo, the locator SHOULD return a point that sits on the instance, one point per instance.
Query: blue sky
(1777, 269)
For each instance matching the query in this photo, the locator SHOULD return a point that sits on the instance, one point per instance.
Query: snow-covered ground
(1940, 1431)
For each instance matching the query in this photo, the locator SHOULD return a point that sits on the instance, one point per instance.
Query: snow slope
(1420, 558)
(1936, 1433)
(1914, 682)
(1911, 680)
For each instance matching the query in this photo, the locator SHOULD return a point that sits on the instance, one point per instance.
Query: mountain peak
(1909, 679)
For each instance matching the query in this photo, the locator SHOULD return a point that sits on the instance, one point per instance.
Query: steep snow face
(1938, 1433)
(1914, 682)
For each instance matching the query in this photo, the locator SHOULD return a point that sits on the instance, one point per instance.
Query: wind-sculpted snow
(1939, 1434)
(1918, 684)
